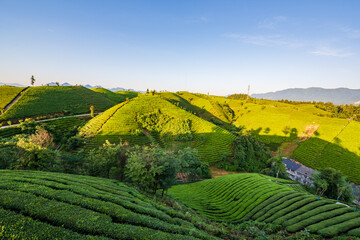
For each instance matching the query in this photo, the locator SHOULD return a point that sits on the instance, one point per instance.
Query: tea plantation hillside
(7, 94)
(305, 133)
(43, 205)
(211, 108)
(42, 101)
(148, 119)
(115, 97)
(241, 197)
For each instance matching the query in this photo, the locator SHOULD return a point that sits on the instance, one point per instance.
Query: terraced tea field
(210, 140)
(41, 205)
(43, 101)
(241, 197)
(7, 94)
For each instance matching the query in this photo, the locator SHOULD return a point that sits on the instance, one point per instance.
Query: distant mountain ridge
(338, 96)
(12, 84)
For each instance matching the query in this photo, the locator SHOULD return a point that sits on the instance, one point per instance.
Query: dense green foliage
(7, 94)
(148, 167)
(108, 161)
(41, 146)
(340, 111)
(249, 154)
(44, 101)
(337, 186)
(80, 207)
(241, 197)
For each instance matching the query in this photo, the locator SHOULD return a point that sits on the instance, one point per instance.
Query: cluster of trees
(337, 111)
(148, 167)
(38, 148)
(340, 111)
(249, 154)
(332, 184)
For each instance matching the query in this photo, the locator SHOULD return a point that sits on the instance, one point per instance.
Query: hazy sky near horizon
(219, 47)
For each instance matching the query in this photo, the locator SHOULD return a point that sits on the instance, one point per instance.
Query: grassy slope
(241, 197)
(8, 93)
(208, 107)
(115, 97)
(50, 100)
(43, 205)
(120, 122)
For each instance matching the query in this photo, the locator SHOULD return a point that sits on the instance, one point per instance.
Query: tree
(337, 186)
(152, 167)
(321, 186)
(277, 165)
(92, 111)
(147, 91)
(41, 138)
(249, 154)
(191, 164)
(32, 80)
(356, 190)
(108, 160)
(57, 84)
(34, 153)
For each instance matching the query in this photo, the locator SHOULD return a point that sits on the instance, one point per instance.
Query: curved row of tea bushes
(86, 206)
(242, 197)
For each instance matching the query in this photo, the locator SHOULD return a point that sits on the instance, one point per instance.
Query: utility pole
(248, 95)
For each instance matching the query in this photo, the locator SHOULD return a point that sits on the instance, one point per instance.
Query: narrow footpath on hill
(15, 99)
(51, 119)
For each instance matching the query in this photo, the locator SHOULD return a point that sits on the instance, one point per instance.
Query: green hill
(43, 101)
(7, 94)
(41, 205)
(241, 197)
(148, 119)
(115, 97)
(211, 108)
(128, 94)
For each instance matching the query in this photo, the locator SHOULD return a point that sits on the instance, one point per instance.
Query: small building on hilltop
(298, 172)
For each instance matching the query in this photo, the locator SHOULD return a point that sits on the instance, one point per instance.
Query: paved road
(49, 119)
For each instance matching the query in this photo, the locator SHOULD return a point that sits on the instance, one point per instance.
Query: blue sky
(217, 47)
